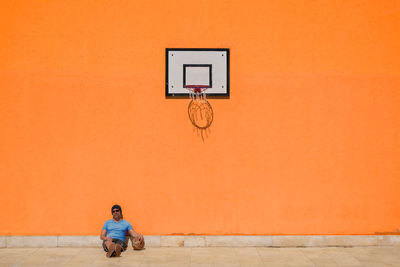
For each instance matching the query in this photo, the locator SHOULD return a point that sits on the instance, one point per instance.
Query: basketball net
(199, 110)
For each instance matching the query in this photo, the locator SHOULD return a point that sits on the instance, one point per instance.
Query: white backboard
(200, 66)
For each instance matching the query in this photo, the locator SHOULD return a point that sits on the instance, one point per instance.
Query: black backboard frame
(180, 95)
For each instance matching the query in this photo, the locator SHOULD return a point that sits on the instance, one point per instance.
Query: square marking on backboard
(197, 74)
(197, 66)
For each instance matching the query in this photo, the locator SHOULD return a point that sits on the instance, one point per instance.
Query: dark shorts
(116, 241)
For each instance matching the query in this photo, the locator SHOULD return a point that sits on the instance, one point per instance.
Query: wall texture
(308, 143)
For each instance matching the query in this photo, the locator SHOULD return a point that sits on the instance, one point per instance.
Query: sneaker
(111, 250)
(118, 250)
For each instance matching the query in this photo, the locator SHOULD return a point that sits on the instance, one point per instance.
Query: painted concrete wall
(308, 142)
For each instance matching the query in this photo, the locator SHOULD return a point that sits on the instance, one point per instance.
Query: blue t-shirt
(117, 229)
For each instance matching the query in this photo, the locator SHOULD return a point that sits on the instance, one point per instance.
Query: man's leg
(119, 246)
(109, 248)
(126, 243)
(118, 250)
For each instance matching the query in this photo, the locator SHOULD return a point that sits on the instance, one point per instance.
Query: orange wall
(308, 142)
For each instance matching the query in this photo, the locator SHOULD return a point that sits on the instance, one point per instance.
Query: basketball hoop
(197, 90)
(199, 110)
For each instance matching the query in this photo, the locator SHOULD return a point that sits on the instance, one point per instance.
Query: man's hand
(108, 238)
(138, 242)
(139, 237)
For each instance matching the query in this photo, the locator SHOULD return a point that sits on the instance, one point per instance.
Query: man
(114, 234)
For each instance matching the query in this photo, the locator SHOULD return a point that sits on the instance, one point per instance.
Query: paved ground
(227, 256)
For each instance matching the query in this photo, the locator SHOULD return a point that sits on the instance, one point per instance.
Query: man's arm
(132, 233)
(136, 239)
(103, 235)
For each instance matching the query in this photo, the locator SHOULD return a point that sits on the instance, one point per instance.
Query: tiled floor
(219, 256)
